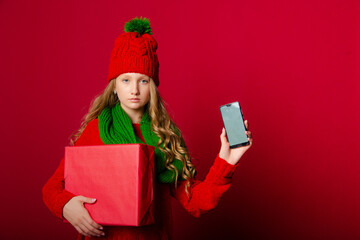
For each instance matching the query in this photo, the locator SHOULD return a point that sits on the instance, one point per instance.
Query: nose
(135, 88)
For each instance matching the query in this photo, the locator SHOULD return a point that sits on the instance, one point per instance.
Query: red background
(292, 65)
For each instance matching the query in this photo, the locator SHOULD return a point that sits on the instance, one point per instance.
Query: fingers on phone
(248, 133)
(246, 124)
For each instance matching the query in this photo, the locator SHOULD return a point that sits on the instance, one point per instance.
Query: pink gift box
(119, 176)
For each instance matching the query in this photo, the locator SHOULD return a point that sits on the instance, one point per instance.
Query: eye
(145, 81)
(125, 80)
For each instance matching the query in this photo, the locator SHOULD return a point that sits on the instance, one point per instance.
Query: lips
(134, 100)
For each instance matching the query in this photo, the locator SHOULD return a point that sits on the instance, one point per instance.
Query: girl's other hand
(75, 212)
(233, 155)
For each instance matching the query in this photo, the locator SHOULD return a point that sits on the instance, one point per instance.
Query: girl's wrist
(228, 159)
(232, 161)
(235, 160)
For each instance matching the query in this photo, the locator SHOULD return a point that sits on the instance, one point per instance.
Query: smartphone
(234, 124)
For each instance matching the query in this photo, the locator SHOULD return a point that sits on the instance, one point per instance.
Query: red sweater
(204, 195)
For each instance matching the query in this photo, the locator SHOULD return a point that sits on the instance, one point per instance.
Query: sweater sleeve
(204, 195)
(53, 193)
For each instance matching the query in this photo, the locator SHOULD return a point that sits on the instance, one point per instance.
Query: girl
(130, 110)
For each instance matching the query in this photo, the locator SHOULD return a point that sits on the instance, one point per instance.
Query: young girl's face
(133, 90)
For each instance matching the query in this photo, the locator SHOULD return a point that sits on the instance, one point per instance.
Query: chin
(135, 106)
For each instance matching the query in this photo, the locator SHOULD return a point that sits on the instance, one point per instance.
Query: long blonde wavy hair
(162, 126)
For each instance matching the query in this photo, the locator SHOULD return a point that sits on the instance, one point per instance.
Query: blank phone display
(234, 124)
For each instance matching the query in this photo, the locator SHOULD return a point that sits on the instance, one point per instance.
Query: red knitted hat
(135, 51)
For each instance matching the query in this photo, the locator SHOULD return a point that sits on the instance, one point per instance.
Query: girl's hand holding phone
(75, 212)
(233, 155)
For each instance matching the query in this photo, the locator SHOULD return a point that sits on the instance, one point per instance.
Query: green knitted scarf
(115, 127)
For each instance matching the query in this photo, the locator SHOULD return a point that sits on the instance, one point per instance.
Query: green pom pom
(139, 25)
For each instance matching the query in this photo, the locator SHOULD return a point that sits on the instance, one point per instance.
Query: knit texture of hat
(135, 51)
